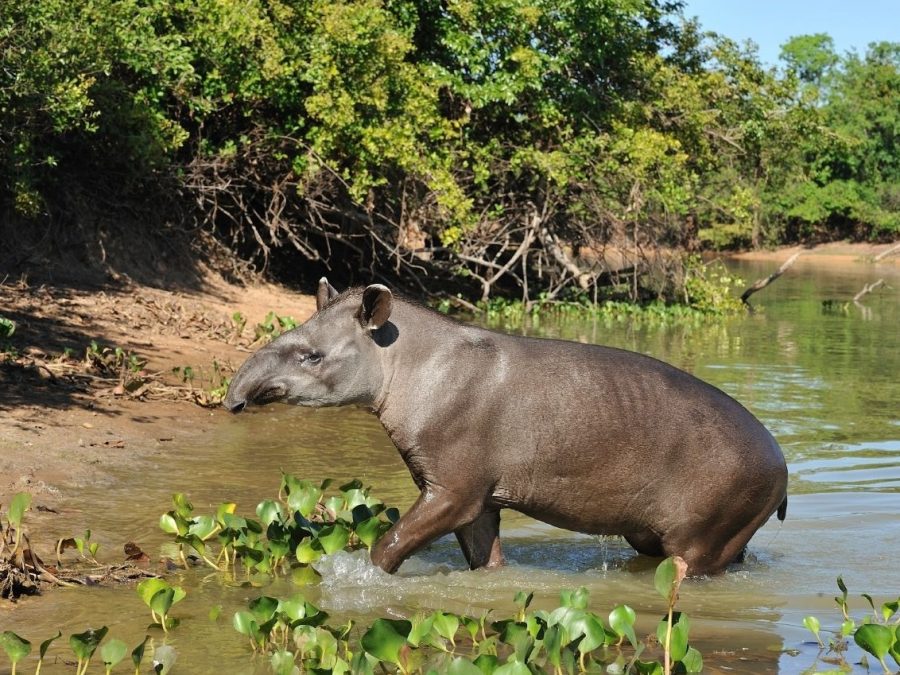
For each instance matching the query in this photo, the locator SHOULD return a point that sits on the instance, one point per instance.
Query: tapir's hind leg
(480, 541)
(713, 552)
(647, 543)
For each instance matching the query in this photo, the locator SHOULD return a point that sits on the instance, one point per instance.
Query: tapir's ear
(325, 293)
(376, 306)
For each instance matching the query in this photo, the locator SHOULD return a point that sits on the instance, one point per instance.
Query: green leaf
(282, 662)
(305, 575)
(523, 599)
(513, 668)
(621, 620)
(303, 497)
(678, 643)
(692, 661)
(664, 578)
(17, 507)
(812, 624)
(648, 667)
(308, 551)
(554, 638)
(446, 625)
(333, 538)
(487, 663)
(895, 648)
(168, 524)
(264, 608)
(45, 645)
(369, 531)
(85, 644)
(385, 638)
(16, 648)
(112, 652)
(269, 511)
(203, 526)
(875, 639)
(462, 666)
(162, 601)
(594, 633)
(150, 587)
(577, 599)
(137, 654)
(421, 628)
(225, 508)
(245, 624)
(182, 506)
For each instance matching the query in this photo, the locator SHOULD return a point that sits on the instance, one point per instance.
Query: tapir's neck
(423, 366)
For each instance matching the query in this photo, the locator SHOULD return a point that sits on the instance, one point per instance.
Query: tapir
(584, 437)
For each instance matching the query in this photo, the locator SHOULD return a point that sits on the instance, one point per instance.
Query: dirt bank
(68, 411)
(832, 253)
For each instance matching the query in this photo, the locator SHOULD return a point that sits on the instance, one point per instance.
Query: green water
(824, 379)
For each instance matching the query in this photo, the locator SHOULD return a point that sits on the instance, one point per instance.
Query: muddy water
(824, 378)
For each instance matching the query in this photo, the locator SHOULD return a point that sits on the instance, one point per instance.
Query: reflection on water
(825, 382)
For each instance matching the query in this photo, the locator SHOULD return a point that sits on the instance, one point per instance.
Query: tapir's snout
(235, 406)
(248, 383)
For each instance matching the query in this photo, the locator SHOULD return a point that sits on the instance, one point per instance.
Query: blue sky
(769, 23)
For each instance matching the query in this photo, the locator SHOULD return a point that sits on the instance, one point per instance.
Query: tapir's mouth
(269, 395)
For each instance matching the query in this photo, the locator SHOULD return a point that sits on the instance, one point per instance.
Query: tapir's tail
(782, 510)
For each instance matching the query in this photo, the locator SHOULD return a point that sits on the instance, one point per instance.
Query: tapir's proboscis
(584, 437)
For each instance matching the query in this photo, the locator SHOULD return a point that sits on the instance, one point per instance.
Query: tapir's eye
(312, 358)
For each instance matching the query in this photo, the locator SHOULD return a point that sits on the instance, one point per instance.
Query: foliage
(877, 633)
(507, 147)
(291, 532)
(7, 327)
(569, 637)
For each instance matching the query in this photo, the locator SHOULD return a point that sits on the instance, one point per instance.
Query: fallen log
(887, 252)
(760, 284)
(868, 288)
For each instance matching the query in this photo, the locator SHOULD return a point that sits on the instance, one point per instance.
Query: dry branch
(884, 254)
(868, 288)
(760, 284)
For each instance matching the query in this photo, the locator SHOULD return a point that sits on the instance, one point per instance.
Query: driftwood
(884, 254)
(868, 288)
(760, 284)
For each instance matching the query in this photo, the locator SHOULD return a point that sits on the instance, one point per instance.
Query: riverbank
(832, 253)
(65, 422)
(63, 426)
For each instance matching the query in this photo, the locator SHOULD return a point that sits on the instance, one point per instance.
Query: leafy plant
(16, 648)
(877, 633)
(84, 645)
(7, 327)
(300, 526)
(570, 637)
(272, 326)
(19, 504)
(159, 596)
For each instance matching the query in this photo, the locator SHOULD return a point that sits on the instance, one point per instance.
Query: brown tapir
(585, 437)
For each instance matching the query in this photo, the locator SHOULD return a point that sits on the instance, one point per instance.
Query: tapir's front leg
(436, 512)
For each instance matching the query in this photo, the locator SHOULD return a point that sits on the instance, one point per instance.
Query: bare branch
(760, 284)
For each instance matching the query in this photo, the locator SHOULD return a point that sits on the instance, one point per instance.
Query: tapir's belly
(636, 470)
